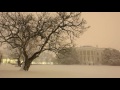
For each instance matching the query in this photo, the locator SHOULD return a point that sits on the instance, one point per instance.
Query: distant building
(90, 55)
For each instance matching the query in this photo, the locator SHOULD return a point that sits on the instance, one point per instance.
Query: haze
(104, 31)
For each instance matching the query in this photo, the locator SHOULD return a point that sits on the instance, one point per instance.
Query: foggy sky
(104, 30)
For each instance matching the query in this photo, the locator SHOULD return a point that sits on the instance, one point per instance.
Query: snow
(60, 71)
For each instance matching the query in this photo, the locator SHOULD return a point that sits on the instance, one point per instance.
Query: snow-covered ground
(60, 71)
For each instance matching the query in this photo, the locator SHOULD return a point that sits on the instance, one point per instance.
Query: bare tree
(15, 54)
(38, 32)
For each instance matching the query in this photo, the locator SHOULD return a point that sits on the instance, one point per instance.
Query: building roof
(89, 48)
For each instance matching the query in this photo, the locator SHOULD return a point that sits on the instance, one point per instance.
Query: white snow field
(60, 71)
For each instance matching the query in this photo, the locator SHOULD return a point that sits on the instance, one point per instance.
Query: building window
(97, 53)
(84, 58)
(88, 52)
(81, 57)
(91, 52)
(84, 52)
(80, 52)
(92, 58)
(97, 59)
(100, 53)
(88, 58)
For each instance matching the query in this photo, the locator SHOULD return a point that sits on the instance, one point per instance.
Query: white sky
(104, 31)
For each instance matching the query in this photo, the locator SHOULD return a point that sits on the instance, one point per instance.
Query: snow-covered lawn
(60, 71)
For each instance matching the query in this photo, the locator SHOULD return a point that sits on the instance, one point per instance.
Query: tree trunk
(27, 62)
(22, 66)
(19, 63)
(26, 65)
(0, 61)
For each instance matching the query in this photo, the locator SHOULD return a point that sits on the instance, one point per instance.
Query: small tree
(68, 56)
(111, 57)
(15, 54)
(38, 32)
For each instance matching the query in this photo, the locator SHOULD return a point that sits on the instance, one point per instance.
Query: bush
(111, 57)
(67, 56)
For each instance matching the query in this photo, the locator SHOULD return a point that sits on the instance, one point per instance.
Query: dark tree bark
(27, 65)
(0, 58)
(0, 61)
(18, 62)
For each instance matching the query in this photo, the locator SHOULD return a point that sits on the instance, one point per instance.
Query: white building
(90, 55)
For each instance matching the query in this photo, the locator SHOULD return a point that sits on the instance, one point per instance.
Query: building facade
(89, 55)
